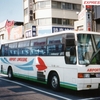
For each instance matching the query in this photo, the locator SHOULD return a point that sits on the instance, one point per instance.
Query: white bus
(69, 59)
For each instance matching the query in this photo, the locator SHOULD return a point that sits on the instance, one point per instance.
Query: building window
(59, 5)
(2, 36)
(43, 4)
(54, 20)
(65, 21)
(66, 6)
(31, 18)
(43, 21)
(31, 11)
(76, 7)
(71, 22)
(59, 21)
(54, 4)
(63, 5)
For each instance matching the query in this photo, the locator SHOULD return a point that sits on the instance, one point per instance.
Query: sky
(11, 10)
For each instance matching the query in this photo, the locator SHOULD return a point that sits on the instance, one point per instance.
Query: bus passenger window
(42, 51)
(6, 51)
(55, 50)
(38, 50)
(2, 50)
(24, 52)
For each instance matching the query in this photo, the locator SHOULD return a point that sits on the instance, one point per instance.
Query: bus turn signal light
(80, 75)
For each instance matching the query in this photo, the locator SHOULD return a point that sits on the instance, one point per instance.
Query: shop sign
(91, 2)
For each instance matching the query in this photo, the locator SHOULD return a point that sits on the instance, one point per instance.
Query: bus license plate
(88, 86)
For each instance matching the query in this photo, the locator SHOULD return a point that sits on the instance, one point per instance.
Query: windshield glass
(88, 49)
(85, 48)
(96, 56)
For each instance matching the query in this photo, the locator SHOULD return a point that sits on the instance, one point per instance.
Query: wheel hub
(54, 82)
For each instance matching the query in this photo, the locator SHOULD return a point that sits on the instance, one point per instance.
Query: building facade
(11, 30)
(50, 16)
(85, 16)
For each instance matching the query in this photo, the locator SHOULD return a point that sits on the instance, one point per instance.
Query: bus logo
(41, 65)
(93, 69)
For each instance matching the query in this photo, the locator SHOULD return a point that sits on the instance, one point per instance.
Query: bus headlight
(98, 75)
(83, 75)
(86, 75)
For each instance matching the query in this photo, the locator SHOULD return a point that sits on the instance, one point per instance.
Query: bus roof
(53, 34)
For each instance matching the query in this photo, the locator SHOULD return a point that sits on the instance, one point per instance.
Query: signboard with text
(33, 31)
(16, 33)
(91, 2)
(30, 32)
(59, 29)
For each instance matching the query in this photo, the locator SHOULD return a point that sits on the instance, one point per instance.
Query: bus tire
(10, 73)
(54, 81)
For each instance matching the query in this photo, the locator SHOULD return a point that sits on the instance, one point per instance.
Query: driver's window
(96, 59)
(70, 55)
(98, 45)
(97, 41)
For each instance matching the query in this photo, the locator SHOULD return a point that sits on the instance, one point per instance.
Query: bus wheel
(54, 81)
(10, 73)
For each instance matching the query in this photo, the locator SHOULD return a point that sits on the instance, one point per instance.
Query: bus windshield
(88, 49)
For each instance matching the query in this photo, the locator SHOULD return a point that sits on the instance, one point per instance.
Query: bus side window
(2, 50)
(98, 45)
(32, 51)
(6, 51)
(73, 55)
(70, 56)
(55, 50)
(24, 51)
(42, 51)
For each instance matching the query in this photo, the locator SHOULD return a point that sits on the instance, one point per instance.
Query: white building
(2, 31)
(50, 15)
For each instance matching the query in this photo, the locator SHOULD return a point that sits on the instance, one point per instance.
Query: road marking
(61, 97)
(90, 98)
(86, 99)
(3, 75)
